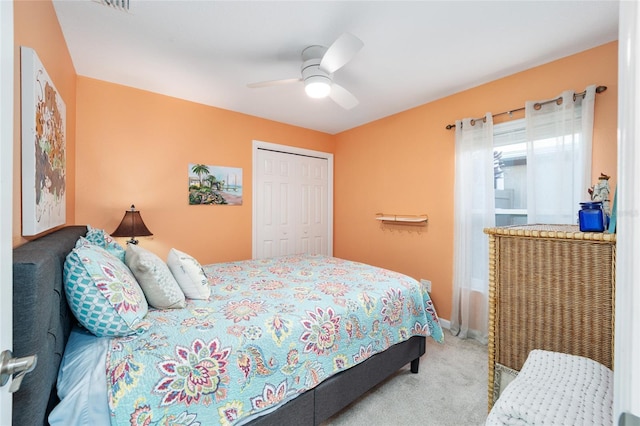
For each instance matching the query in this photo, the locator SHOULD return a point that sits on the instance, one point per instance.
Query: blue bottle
(591, 217)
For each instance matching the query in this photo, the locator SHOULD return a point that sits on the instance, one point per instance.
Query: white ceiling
(414, 52)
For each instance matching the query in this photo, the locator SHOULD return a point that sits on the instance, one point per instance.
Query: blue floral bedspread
(272, 329)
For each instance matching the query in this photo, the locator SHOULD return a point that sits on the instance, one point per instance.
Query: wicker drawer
(550, 287)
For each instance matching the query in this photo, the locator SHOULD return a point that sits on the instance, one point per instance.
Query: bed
(321, 377)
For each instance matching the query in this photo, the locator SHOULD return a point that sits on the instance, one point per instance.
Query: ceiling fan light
(317, 86)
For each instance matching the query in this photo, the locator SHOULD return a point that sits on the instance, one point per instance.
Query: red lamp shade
(132, 226)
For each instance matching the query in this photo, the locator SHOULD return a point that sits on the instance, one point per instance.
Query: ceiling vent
(116, 4)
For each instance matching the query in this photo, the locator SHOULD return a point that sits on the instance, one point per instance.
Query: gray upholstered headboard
(42, 320)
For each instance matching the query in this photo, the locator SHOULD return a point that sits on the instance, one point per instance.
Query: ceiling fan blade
(343, 97)
(340, 52)
(273, 83)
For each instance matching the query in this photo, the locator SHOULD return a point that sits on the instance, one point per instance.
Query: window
(510, 172)
(558, 155)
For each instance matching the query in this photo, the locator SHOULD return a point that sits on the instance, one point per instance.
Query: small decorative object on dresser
(600, 192)
(614, 214)
(591, 217)
(551, 287)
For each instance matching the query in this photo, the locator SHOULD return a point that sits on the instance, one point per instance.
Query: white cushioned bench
(556, 389)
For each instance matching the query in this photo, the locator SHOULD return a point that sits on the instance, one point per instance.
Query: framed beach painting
(43, 148)
(215, 185)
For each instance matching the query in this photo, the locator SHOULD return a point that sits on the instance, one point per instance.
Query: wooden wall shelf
(420, 219)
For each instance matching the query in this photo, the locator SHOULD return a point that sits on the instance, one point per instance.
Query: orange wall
(405, 164)
(135, 147)
(36, 26)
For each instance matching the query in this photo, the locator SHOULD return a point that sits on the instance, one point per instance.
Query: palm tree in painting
(200, 170)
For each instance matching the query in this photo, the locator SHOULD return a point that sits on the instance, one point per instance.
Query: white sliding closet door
(292, 201)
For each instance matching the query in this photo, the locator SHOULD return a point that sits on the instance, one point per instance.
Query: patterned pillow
(100, 238)
(189, 274)
(153, 275)
(102, 293)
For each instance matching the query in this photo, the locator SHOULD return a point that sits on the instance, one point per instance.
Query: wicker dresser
(550, 287)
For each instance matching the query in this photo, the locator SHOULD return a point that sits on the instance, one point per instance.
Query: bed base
(334, 394)
(42, 322)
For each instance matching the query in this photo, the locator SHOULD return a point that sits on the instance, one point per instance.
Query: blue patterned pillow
(102, 293)
(102, 239)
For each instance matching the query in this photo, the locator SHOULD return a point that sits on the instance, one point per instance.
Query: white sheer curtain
(473, 211)
(559, 136)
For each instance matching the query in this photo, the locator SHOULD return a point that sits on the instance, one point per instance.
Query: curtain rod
(537, 106)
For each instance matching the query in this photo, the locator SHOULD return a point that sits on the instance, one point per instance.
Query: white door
(310, 204)
(292, 201)
(626, 377)
(274, 195)
(6, 193)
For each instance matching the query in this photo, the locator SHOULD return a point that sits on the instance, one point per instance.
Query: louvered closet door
(292, 208)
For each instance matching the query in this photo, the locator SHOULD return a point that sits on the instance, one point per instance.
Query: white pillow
(189, 274)
(158, 284)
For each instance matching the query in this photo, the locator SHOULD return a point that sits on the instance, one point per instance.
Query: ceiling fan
(319, 64)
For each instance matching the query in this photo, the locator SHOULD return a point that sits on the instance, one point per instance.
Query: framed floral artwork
(43, 148)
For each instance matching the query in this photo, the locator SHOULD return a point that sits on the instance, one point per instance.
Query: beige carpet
(449, 390)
